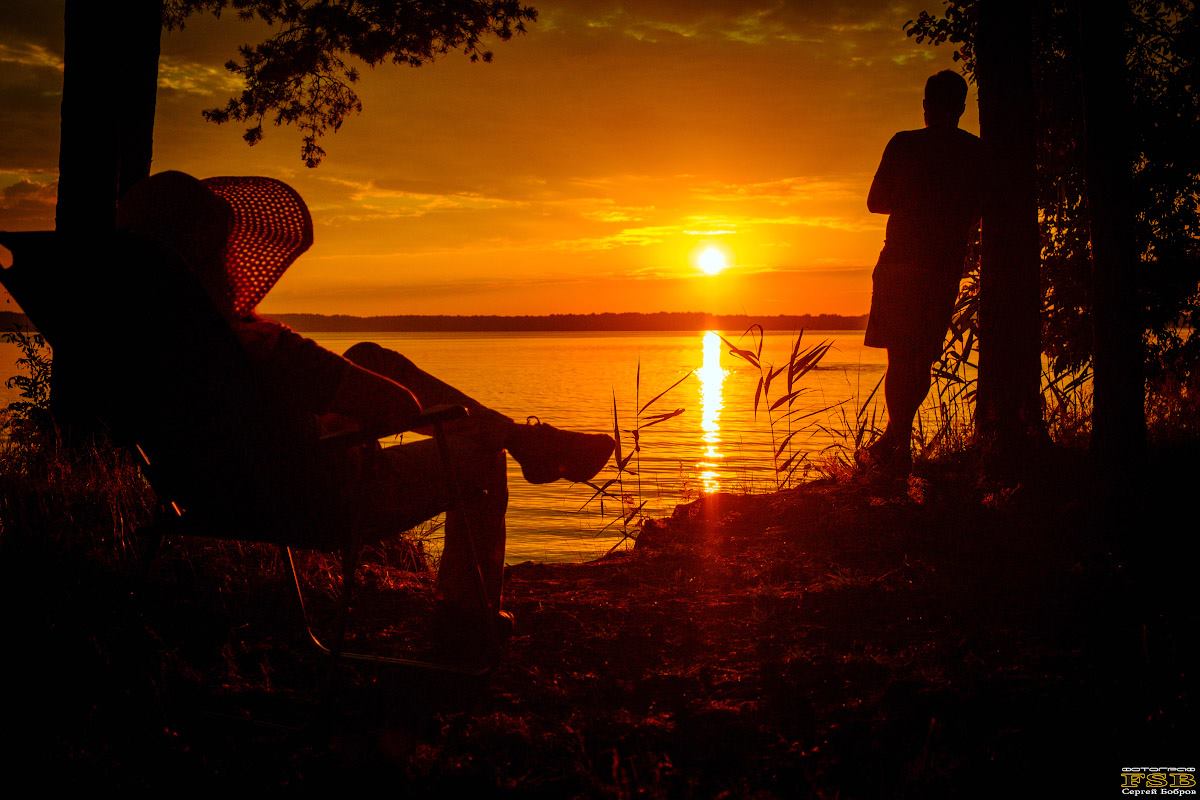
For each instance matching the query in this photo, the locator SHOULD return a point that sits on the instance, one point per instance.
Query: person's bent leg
(429, 390)
(545, 453)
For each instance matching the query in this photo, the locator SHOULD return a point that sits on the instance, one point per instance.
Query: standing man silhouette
(929, 183)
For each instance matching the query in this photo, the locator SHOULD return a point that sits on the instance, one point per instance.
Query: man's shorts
(911, 307)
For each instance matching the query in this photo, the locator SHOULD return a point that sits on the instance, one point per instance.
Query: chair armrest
(434, 415)
(437, 415)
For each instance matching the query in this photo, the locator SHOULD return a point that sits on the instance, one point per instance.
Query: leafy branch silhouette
(304, 74)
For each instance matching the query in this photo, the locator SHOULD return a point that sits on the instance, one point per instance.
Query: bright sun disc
(712, 260)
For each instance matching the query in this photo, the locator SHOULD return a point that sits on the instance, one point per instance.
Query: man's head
(238, 235)
(176, 212)
(945, 98)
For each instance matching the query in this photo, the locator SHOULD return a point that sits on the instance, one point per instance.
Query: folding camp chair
(167, 377)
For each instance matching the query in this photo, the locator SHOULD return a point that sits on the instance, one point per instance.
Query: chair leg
(349, 556)
(338, 652)
(290, 561)
(151, 536)
(154, 538)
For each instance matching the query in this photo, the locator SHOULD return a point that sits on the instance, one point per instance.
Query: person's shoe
(885, 456)
(548, 454)
(506, 625)
(460, 634)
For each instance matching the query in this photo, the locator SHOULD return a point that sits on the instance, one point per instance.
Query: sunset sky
(585, 170)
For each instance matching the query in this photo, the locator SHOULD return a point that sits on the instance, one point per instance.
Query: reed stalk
(783, 419)
(632, 502)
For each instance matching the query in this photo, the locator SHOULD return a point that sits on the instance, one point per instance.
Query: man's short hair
(946, 91)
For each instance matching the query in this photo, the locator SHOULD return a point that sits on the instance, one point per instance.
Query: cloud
(784, 191)
(361, 201)
(29, 54)
(27, 200)
(627, 237)
(39, 22)
(615, 215)
(734, 224)
(189, 77)
(759, 26)
(828, 30)
(706, 226)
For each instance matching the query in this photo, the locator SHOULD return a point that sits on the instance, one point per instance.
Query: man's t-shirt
(931, 180)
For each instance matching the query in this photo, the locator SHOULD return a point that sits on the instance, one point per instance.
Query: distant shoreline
(608, 322)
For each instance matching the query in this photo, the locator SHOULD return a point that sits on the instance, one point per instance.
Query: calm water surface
(571, 379)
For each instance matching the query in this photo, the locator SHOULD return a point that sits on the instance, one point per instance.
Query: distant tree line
(12, 321)
(662, 321)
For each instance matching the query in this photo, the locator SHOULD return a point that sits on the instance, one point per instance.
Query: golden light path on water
(712, 379)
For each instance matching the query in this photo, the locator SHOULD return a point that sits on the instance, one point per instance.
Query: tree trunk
(110, 80)
(1118, 415)
(1009, 398)
(88, 154)
(139, 90)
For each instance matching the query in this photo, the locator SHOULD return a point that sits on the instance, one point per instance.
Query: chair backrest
(166, 372)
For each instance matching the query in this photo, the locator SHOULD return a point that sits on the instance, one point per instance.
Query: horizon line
(606, 321)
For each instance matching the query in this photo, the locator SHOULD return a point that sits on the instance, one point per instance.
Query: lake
(570, 380)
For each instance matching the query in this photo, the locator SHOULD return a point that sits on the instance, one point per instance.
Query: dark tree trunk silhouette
(110, 79)
(1118, 419)
(139, 90)
(88, 157)
(1009, 399)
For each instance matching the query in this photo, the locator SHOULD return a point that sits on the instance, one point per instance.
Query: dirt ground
(924, 639)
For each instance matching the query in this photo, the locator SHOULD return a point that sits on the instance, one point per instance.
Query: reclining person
(238, 236)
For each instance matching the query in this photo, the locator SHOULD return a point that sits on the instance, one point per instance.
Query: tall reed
(783, 418)
(631, 500)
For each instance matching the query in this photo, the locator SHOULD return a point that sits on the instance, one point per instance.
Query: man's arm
(322, 382)
(882, 196)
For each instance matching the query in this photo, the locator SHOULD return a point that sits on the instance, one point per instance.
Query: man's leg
(544, 452)
(905, 386)
(409, 484)
(489, 424)
(475, 534)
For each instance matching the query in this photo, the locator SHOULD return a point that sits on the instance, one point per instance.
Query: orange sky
(581, 171)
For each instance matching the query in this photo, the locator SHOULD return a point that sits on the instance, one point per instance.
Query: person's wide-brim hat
(252, 227)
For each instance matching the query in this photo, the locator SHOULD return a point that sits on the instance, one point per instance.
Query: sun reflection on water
(712, 378)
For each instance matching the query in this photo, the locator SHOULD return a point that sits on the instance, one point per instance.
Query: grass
(89, 500)
(821, 642)
(850, 433)
(945, 426)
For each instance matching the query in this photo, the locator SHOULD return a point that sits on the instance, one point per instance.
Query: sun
(712, 260)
